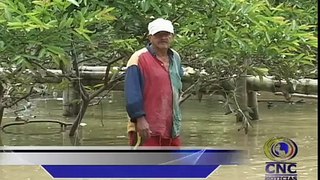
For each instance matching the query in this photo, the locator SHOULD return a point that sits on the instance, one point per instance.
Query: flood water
(204, 124)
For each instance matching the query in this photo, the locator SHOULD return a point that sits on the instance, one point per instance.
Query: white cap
(160, 24)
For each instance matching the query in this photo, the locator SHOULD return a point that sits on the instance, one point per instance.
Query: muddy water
(204, 125)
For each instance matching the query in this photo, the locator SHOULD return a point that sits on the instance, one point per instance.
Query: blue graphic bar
(122, 157)
(130, 171)
(118, 150)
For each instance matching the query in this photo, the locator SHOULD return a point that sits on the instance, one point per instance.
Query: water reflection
(204, 124)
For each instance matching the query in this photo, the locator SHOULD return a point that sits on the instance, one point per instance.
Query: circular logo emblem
(280, 149)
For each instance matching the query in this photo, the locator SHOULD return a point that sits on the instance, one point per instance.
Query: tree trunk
(75, 96)
(67, 110)
(303, 86)
(1, 106)
(71, 96)
(241, 97)
(84, 106)
(1, 113)
(253, 105)
(1, 144)
(94, 75)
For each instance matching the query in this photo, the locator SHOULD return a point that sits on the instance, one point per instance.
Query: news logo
(280, 150)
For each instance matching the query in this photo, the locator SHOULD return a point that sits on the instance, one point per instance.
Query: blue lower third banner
(103, 162)
(130, 171)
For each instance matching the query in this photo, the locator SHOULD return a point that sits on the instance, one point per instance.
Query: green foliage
(39, 35)
(224, 38)
(254, 31)
(218, 36)
(46, 25)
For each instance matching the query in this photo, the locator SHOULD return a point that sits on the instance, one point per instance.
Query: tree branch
(189, 89)
(83, 92)
(112, 83)
(98, 102)
(182, 99)
(88, 59)
(20, 99)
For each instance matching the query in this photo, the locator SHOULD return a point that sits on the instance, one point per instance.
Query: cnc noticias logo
(280, 149)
